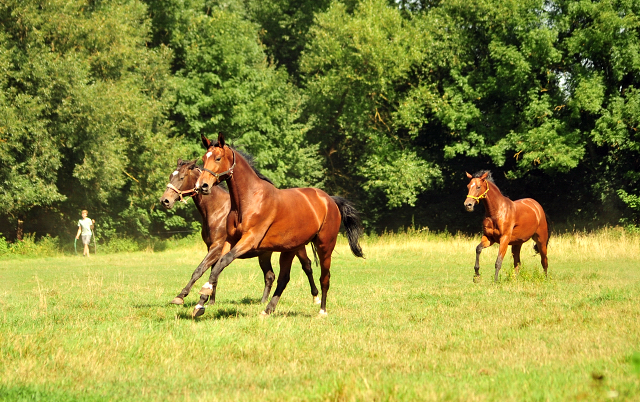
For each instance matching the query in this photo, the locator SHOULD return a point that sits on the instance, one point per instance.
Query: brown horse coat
(263, 217)
(214, 209)
(506, 222)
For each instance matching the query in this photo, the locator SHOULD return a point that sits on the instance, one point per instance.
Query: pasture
(407, 323)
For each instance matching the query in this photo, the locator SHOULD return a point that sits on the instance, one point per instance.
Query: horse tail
(352, 224)
(535, 246)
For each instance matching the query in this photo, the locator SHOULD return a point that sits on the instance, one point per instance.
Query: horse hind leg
(515, 251)
(541, 248)
(306, 267)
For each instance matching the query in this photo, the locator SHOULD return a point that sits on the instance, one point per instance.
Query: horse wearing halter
(189, 193)
(481, 196)
(229, 171)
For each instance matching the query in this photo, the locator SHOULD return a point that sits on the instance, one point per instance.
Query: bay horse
(506, 222)
(214, 209)
(264, 218)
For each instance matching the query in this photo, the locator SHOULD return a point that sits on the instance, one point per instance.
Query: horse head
(182, 181)
(219, 162)
(478, 188)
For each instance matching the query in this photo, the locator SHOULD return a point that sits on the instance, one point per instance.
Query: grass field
(407, 323)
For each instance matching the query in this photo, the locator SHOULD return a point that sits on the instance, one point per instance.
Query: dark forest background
(386, 103)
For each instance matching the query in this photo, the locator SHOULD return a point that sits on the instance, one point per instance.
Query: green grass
(407, 323)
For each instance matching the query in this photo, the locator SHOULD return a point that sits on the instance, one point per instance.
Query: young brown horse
(214, 209)
(506, 222)
(264, 218)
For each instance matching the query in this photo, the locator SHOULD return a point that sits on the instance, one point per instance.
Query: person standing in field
(85, 226)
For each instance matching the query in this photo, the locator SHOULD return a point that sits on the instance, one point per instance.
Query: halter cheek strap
(229, 171)
(481, 196)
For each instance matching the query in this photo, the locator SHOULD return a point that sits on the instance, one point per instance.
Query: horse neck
(242, 183)
(493, 200)
(209, 203)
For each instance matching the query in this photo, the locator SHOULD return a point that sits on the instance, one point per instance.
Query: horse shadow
(218, 314)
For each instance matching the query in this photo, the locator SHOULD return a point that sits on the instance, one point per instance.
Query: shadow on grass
(210, 314)
(291, 314)
(247, 301)
(244, 301)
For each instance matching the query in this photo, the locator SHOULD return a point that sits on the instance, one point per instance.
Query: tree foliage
(383, 102)
(84, 104)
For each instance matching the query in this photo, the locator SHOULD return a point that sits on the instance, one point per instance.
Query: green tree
(358, 68)
(84, 103)
(226, 85)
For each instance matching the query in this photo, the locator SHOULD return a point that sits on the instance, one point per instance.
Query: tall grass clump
(46, 246)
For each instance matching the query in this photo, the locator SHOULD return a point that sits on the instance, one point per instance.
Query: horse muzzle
(469, 204)
(167, 202)
(204, 189)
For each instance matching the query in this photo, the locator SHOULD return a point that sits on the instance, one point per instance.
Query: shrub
(4, 246)
(120, 244)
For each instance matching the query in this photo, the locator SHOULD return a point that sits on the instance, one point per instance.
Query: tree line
(384, 102)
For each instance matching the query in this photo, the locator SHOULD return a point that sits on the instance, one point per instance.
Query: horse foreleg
(209, 288)
(515, 251)
(502, 251)
(269, 276)
(284, 276)
(306, 267)
(210, 259)
(484, 243)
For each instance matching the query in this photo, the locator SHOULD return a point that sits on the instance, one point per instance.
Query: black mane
(479, 174)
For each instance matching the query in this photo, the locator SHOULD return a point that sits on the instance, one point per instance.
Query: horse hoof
(177, 300)
(316, 300)
(322, 313)
(264, 314)
(476, 279)
(198, 311)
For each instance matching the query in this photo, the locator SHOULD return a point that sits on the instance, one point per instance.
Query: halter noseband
(229, 171)
(481, 196)
(190, 192)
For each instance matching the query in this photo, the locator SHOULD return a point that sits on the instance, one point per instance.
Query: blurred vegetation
(385, 103)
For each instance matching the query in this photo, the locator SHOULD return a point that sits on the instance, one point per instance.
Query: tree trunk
(20, 231)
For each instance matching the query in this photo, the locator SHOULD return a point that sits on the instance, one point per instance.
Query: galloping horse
(214, 209)
(506, 222)
(264, 218)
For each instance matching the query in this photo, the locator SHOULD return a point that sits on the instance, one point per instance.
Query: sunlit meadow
(407, 323)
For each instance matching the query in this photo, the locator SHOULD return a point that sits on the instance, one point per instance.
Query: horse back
(297, 215)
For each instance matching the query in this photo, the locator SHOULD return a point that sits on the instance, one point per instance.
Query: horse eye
(218, 159)
(478, 187)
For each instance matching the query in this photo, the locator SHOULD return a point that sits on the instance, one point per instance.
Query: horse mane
(479, 174)
(251, 161)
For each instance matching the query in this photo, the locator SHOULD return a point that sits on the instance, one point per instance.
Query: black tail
(352, 224)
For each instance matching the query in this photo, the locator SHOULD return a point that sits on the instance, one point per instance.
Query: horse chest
(490, 230)
(234, 228)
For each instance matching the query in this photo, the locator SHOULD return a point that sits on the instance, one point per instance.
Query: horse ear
(179, 161)
(484, 176)
(469, 176)
(205, 141)
(220, 140)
